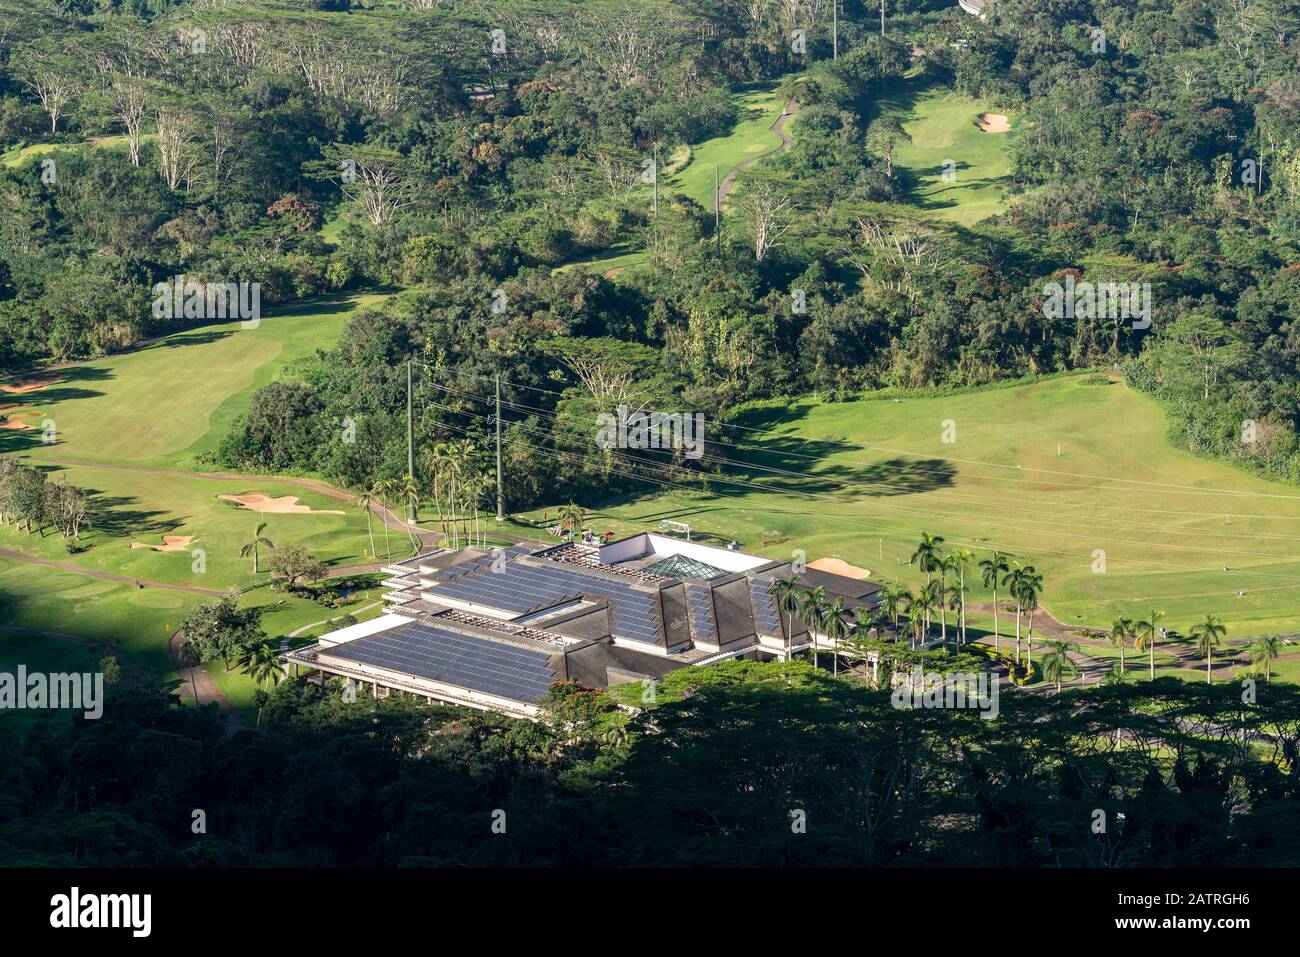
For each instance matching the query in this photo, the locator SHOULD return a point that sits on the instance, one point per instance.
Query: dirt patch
(24, 386)
(993, 123)
(836, 566)
(171, 543)
(285, 505)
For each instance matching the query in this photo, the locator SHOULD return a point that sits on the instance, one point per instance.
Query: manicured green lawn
(283, 616)
(691, 171)
(20, 153)
(38, 653)
(876, 473)
(942, 127)
(170, 401)
(140, 508)
(162, 406)
(758, 107)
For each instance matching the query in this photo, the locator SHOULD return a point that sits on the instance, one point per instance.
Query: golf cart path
(198, 685)
(777, 127)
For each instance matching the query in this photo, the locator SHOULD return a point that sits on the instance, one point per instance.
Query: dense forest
(461, 156)
(711, 774)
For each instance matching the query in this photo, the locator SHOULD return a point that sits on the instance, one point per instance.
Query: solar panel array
(701, 609)
(465, 661)
(521, 588)
(767, 613)
(463, 568)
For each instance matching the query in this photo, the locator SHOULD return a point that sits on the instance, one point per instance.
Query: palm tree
(1014, 581)
(962, 559)
(1057, 662)
(1265, 650)
(812, 609)
(364, 501)
(788, 596)
(1031, 587)
(411, 492)
(922, 607)
(1146, 634)
(928, 553)
(891, 597)
(261, 662)
(384, 488)
(944, 565)
(1208, 634)
(571, 515)
(990, 569)
(1121, 629)
(836, 623)
(251, 547)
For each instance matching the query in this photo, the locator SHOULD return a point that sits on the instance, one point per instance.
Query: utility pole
(882, 19)
(835, 29)
(501, 500)
(410, 443)
(717, 212)
(656, 170)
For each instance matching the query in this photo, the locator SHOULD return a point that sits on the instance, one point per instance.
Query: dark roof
(839, 585)
(589, 664)
(439, 654)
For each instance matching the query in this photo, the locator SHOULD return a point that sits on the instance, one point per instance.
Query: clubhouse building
(494, 629)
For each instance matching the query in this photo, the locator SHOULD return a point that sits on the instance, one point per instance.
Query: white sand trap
(24, 386)
(285, 505)
(836, 566)
(171, 543)
(993, 122)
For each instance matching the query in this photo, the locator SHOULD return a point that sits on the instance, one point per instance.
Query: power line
(973, 502)
(877, 526)
(994, 465)
(930, 515)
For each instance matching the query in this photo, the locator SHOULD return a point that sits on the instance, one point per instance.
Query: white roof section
(363, 629)
(648, 544)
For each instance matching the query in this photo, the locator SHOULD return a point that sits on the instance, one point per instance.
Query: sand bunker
(10, 422)
(285, 505)
(24, 386)
(836, 566)
(993, 122)
(171, 543)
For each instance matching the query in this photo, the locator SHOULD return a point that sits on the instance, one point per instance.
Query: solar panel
(701, 612)
(521, 588)
(466, 661)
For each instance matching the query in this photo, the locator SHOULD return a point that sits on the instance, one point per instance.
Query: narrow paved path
(198, 685)
(778, 127)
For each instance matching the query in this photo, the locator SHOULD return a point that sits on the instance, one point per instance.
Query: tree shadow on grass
(115, 516)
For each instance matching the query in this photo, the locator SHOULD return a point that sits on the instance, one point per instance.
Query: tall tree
(1208, 633)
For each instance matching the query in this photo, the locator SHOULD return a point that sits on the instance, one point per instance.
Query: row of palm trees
(458, 490)
(914, 613)
(945, 589)
(1208, 634)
